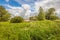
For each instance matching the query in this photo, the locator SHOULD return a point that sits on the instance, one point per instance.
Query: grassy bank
(40, 30)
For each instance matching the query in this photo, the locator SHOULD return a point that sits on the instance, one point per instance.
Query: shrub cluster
(16, 19)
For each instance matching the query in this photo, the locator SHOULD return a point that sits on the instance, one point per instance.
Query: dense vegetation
(16, 19)
(43, 27)
(40, 30)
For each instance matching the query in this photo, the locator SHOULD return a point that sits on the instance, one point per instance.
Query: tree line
(50, 14)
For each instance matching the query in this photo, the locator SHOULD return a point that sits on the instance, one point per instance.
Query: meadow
(38, 30)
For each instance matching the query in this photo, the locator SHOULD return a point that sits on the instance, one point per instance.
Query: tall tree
(41, 15)
(51, 15)
(4, 15)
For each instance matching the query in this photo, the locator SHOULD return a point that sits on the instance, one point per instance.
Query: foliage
(54, 18)
(41, 15)
(51, 15)
(16, 19)
(40, 30)
(4, 15)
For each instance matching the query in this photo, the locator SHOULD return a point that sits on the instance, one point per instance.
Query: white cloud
(27, 14)
(26, 6)
(47, 4)
(7, 0)
(26, 11)
(15, 11)
(25, 1)
(23, 11)
(42, 4)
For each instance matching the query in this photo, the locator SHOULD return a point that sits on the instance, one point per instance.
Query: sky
(27, 8)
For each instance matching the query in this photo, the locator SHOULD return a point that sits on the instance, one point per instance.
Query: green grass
(39, 30)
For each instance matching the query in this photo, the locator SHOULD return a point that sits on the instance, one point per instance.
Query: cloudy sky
(27, 8)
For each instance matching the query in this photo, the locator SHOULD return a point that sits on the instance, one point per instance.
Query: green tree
(51, 15)
(16, 19)
(41, 15)
(4, 15)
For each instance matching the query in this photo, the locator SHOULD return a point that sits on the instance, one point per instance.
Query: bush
(53, 17)
(16, 19)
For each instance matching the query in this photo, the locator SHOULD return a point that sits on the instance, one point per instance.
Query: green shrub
(16, 19)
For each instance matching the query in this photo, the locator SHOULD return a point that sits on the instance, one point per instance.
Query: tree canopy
(51, 15)
(41, 15)
(4, 15)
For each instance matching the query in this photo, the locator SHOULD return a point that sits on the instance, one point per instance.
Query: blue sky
(15, 3)
(27, 8)
(10, 2)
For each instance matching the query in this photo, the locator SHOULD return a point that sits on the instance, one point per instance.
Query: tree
(51, 15)
(41, 15)
(4, 15)
(16, 19)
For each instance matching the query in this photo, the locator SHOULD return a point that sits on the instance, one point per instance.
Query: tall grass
(40, 30)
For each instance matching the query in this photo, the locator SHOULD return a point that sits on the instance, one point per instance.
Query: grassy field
(39, 30)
